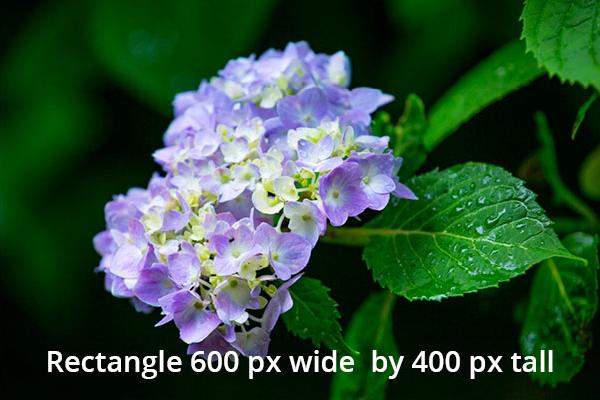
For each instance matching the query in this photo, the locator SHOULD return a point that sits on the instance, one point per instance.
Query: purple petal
(126, 261)
(289, 255)
(213, 342)
(104, 244)
(175, 220)
(255, 342)
(368, 99)
(195, 323)
(153, 284)
(382, 184)
(342, 194)
(265, 236)
(184, 268)
(118, 213)
(116, 286)
(305, 109)
(183, 101)
(232, 299)
(402, 191)
(279, 304)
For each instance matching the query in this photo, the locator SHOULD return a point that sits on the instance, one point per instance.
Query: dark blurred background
(85, 96)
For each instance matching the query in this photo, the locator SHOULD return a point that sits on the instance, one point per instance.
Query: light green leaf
(159, 48)
(564, 37)
(408, 143)
(562, 193)
(503, 72)
(563, 302)
(370, 329)
(589, 176)
(315, 315)
(581, 114)
(473, 226)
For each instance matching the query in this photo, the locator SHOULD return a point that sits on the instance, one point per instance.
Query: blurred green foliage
(166, 48)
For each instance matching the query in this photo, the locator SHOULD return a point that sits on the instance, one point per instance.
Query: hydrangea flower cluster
(257, 161)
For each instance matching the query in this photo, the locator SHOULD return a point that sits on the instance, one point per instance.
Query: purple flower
(368, 100)
(317, 156)
(119, 212)
(116, 286)
(174, 220)
(190, 315)
(231, 299)
(279, 134)
(184, 266)
(104, 243)
(254, 342)
(216, 341)
(376, 178)
(154, 282)
(305, 109)
(288, 252)
(280, 303)
(342, 194)
(401, 191)
(232, 251)
(132, 251)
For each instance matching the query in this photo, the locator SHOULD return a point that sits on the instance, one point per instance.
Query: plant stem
(354, 237)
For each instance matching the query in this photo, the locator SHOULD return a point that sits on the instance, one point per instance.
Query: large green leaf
(370, 329)
(161, 48)
(473, 226)
(505, 71)
(563, 301)
(564, 37)
(315, 315)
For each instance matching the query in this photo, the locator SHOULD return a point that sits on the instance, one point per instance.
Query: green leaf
(382, 125)
(408, 143)
(589, 176)
(159, 49)
(370, 329)
(581, 114)
(549, 164)
(564, 37)
(315, 315)
(503, 72)
(473, 226)
(563, 302)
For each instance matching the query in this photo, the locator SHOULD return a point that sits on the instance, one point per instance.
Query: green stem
(354, 237)
(386, 311)
(345, 237)
(549, 164)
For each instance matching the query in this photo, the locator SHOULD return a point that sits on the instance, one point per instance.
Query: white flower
(264, 202)
(270, 164)
(235, 151)
(284, 188)
(251, 130)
